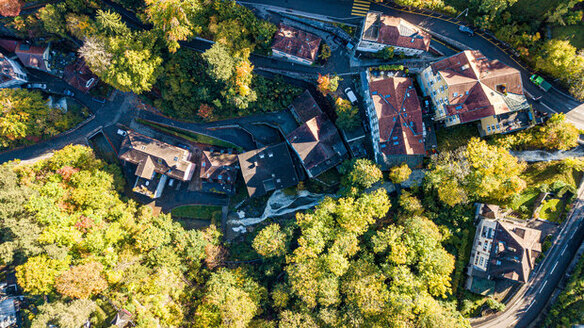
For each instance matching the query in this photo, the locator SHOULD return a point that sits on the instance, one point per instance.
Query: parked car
(42, 86)
(351, 95)
(69, 93)
(170, 182)
(466, 29)
(121, 132)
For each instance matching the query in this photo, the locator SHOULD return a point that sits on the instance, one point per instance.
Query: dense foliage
(347, 114)
(359, 174)
(71, 237)
(191, 92)
(352, 267)
(555, 134)
(568, 310)
(25, 118)
(476, 172)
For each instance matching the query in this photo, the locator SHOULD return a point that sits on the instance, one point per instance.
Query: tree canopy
(476, 172)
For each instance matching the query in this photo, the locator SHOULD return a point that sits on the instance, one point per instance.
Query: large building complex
(395, 118)
(380, 31)
(469, 87)
(155, 161)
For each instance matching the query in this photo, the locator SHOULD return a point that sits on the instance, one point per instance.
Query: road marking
(360, 7)
(529, 307)
(562, 253)
(542, 287)
(548, 107)
(514, 321)
(555, 265)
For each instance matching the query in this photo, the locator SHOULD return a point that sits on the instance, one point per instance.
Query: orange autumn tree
(327, 84)
(10, 8)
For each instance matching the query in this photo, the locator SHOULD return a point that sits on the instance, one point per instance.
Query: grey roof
(152, 155)
(267, 169)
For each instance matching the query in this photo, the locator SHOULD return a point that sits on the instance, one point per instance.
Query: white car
(122, 132)
(69, 93)
(351, 95)
(37, 86)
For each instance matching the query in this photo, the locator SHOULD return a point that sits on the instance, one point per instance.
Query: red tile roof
(395, 31)
(296, 42)
(79, 76)
(400, 116)
(474, 84)
(30, 56)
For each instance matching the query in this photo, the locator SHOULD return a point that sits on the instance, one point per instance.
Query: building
(8, 312)
(395, 117)
(503, 248)
(11, 73)
(380, 31)
(79, 76)
(156, 162)
(30, 56)
(296, 45)
(469, 87)
(266, 169)
(316, 141)
(219, 171)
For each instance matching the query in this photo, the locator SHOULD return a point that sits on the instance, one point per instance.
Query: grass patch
(550, 173)
(552, 209)
(203, 212)
(455, 137)
(573, 33)
(523, 204)
(191, 136)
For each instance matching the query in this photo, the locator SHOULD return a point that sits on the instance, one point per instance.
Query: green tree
(325, 52)
(110, 23)
(479, 171)
(172, 18)
(347, 114)
(560, 59)
(399, 174)
(385, 53)
(232, 299)
(53, 18)
(270, 241)
(65, 315)
(221, 63)
(360, 174)
(557, 133)
(37, 276)
(290, 319)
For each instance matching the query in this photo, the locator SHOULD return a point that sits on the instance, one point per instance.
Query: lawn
(574, 33)
(455, 137)
(524, 203)
(191, 136)
(552, 209)
(203, 212)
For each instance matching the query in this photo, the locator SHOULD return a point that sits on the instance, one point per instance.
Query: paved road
(531, 300)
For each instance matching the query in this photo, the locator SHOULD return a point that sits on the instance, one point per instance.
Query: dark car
(466, 29)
